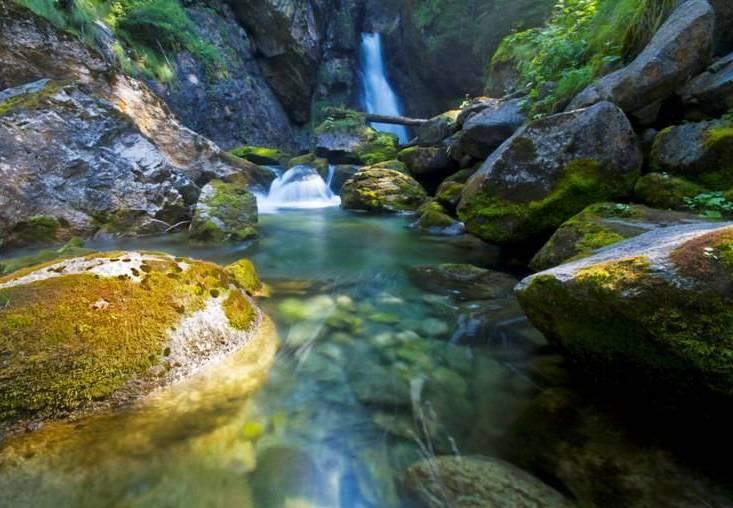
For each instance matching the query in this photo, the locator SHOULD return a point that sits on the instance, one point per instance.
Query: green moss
(244, 274)
(227, 215)
(260, 154)
(80, 337)
(377, 147)
(37, 229)
(31, 100)
(433, 216)
(582, 182)
(342, 120)
(449, 194)
(239, 311)
(74, 248)
(661, 190)
(392, 164)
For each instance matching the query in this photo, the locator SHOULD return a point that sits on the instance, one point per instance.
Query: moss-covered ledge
(102, 330)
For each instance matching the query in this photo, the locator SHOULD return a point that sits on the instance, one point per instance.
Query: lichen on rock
(225, 212)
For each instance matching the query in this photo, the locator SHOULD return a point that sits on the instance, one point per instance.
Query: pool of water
(375, 371)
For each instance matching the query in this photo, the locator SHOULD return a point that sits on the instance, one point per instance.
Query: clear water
(377, 93)
(366, 382)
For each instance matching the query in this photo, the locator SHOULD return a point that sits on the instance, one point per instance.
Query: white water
(377, 94)
(299, 187)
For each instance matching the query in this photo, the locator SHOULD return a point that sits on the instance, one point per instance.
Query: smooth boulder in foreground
(382, 190)
(103, 330)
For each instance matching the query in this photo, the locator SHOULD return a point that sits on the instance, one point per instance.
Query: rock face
(651, 312)
(103, 330)
(484, 131)
(711, 91)
(225, 212)
(550, 170)
(98, 168)
(426, 161)
(477, 482)
(600, 225)
(701, 152)
(382, 190)
(680, 49)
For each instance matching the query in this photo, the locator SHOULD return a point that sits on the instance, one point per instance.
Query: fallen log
(397, 120)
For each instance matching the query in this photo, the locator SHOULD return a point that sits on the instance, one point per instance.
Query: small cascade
(377, 94)
(300, 187)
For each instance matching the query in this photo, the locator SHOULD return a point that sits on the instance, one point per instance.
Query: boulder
(343, 143)
(381, 190)
(652, 313)
(603, 460)
(426, 160)
(476, 482)
(461, 281)
(701, 152)
(81, 167)
(103, 330)
(261, 155)
(484, 131)
(681, 48)
(437, 128)
(712, 91)
(550, 170)
(662, 190)
(225, 212)
(600, 225)
(434, 219)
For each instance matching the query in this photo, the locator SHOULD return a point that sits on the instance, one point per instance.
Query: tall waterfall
(377, 94)
(299, 187)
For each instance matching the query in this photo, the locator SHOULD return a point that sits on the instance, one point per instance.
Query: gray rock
(83, 164)
(437, 128)
(550, 170)
(476, 482)
(484, 131)
(426, 160)
(680, 49)
(381, 190)
(700, 152)
(711, 91)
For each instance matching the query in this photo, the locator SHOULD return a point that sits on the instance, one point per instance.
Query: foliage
(712, 205)
(149, 31)
(341, 120)
(583, 40)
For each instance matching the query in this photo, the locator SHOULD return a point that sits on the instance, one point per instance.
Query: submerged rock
(550, 170)
(225, 212)
(701, 152)
(102, 330)
(601, 225)
(651, 312)
(465, 282)
(680, 49)
(381, 190)
(476, 482)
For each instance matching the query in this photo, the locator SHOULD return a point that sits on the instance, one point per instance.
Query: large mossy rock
(345, 138)
(225, 212)
(381, 190)
(653, 312)
(600, 225)
(104, 329)
(434, 219)
(549, 171)
(476, 482)
(426, 160)
(662, 190)
(701, 152)
(83, 166)
(681, 48)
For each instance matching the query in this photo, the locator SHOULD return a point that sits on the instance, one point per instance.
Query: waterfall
(299, 187)
(377, 94)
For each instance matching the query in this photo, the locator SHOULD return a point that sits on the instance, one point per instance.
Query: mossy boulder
(652, 313)
(263, 155)
(434, 219)
(437, 128)
(426, 160)
(549, 171)
(600, 225)
(102, 330)
(225, 212)
(347, 139)
(701, 152)
(662, 190)
(473, 481)
(450, 190)
(309, 159)
(381, 190)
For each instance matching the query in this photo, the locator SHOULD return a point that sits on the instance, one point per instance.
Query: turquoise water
(375, 371)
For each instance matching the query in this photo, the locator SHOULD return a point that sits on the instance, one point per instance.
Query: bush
(582, 40)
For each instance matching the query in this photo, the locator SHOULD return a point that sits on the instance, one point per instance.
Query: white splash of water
(300, 187)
